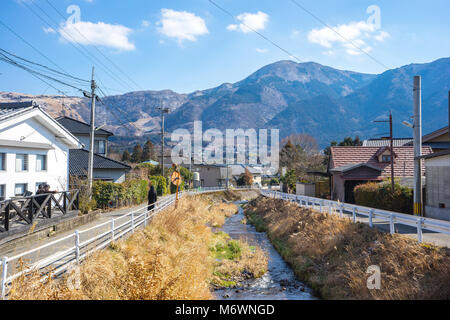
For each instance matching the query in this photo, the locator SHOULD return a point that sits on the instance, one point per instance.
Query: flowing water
(279, 282)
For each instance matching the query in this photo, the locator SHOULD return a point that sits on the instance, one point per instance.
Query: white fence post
(77, 246)
(354, 214)
(341, 210)
(321, 206)
(330, 209)
(145, 218)
(419, 229)
(371, 218)
(132, 221)
(4, 275)
(113, 236)
(391, 224)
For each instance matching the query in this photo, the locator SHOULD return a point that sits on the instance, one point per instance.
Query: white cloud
(49, 30)
(181, 25)
(256, 21)
(261, 50)
(100, 33)
(145, 23)
(359, 33)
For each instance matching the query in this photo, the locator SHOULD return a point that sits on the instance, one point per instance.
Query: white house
(34, 149)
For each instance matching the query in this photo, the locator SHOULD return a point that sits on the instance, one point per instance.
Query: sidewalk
(65, 244)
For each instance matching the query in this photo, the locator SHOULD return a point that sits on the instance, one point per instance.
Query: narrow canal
(279, 283)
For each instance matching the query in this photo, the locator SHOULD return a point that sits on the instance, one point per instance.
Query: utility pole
(417, 146)
(163, 111)
(391, 144)
(92, 134)
(391, 138)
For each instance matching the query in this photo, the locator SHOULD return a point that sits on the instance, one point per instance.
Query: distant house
(213, 175)
(398, 142)
(34, 149)
(438, 140)
(105, 169)
(437, 203)
(238, 171)
(351, 166)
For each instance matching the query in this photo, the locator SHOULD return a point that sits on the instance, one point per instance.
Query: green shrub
(129, 192)
(160, 184)
(380, 196)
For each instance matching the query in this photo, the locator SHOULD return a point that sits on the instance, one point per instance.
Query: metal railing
(336, 207)
(76, 246)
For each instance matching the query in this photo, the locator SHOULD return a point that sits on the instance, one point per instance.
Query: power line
(116, 66)
(7, 59)
(31, 46)
(45, 67)
(255, 31)
(339, 34)
(74, 44)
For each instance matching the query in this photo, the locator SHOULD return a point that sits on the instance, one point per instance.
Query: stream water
(279, 282)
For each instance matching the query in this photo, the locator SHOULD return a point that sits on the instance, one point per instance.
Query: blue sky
(192, 45)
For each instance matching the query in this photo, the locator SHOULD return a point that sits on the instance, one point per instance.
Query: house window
(100, 146)
(386, 158)
(41, 162)
(2, 161)
(2, 192)
(21, 162)
(20, 189)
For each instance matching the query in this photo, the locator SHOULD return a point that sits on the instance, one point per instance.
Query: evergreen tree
(136, 156)
(126, 157)
(149, 151)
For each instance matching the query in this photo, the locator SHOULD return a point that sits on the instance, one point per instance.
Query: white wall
(31, 130)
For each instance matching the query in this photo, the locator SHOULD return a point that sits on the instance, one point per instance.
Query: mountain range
(327, 103)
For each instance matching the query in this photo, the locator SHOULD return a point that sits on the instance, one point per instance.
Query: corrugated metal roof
(403, 165)
(399, 142)
(79, 127)
(10, 109)
(78, 162)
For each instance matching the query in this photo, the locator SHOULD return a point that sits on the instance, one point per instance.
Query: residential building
(351, 166)
(437, 194)
(438, 140)
(104, 168)
(238, 171)
(212, 175)
(34, 149)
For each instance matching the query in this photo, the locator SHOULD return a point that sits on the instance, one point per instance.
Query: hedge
(379, 196)
(160, 184)
(108, 194)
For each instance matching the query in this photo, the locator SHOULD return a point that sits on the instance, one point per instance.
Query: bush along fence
(109, 194)
(380, 196)
(332, 207)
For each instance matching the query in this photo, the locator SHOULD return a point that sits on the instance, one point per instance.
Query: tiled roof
(403, 165)
(79, 158)
(384, 143)
(435, 134)
(12, 108)
(79, 127)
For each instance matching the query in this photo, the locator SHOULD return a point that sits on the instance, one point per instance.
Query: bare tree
(305, 141)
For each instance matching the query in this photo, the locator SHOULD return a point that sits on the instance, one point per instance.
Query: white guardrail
(420, 223)
(72, 249)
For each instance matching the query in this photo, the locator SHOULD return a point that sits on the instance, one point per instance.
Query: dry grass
(170, 259)
(332, 254)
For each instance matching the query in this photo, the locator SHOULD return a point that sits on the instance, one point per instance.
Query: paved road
(68, 243)
(438, 239)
